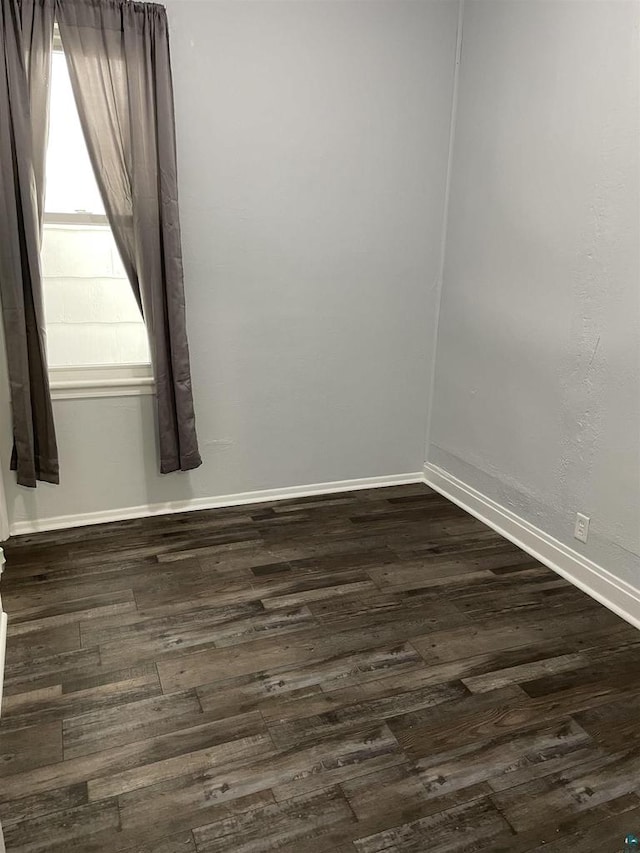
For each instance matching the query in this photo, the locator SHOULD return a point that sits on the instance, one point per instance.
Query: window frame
(84, 381)
(101, 380)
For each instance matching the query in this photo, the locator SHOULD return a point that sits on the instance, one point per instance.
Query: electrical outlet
(581, 530)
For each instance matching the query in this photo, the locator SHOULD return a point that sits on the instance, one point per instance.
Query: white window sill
(104, 380)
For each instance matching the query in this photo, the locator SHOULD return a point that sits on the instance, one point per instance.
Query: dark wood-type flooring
(363, 672)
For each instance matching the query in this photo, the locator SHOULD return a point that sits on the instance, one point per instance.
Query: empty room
(320, 426)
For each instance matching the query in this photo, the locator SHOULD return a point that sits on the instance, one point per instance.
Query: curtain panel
(118, 57)
(26, 34)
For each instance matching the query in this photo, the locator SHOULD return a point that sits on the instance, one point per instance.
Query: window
(96, 339)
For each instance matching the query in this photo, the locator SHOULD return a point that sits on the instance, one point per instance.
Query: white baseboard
(102, 516)
(3, 649)
(596, 581)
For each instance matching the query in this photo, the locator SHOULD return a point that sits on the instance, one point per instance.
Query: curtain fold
(118, 57)
(26, 35)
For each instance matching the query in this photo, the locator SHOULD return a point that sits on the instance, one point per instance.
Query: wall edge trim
(592, 578)
(192, 504)
(615, 594)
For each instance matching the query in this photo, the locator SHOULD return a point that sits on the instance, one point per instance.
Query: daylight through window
(91, 313)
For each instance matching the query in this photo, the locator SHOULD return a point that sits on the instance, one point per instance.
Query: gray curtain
(26, 34)
(118, 57)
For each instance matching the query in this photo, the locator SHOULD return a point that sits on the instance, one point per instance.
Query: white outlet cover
(581, 530)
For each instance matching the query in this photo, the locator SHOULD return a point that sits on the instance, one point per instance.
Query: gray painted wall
(312, 144)
(537, 386)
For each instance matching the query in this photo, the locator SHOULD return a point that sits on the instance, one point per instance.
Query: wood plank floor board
(13, 703)
(558, 834)
(139, 627)
(240, 748)
(550, 594)
(387, 697)
(47, 802)
(497, 758)
(303, 721)
(577, 788)
(557, 763)
(525, 671)
(296, 820)
(202, 550)
(99, 676)
(595, 834)
(49, 670)
(477, 823)
(485, 581)
(403, 791)
(368, 672)
(500, 634)
(181, 843)
(72, 611)
(28, 648)
(615, 669)
(251, 765)
(412, 574)
(30, 747)
(161, 638)
(117, 694)
(66, 830)
(268, 689)
(183, 802)
(146, 576)
(138, 757)
(346, 634)
(613, 725)
(509, 710)
(130, 722)
(226, 589)
(343, 557)
(387, 814)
